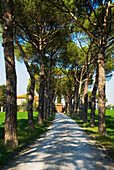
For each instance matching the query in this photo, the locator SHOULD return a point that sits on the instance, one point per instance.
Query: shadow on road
(64, 146)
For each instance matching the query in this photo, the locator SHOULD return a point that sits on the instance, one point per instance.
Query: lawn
(25, 137)
(106, 141)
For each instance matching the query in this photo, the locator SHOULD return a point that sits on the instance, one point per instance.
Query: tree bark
(66, 104)
(93, 100)
(30, 104)
(41, 95)
(31, 89)
(42, 79)
(78, 101)
(53, 97)
(75, 101)
(49, 92)
(86, 86)
(11, 138)
(45, 101)
(101, 92)
(69, 105)
(85, 101)
(79, 92)
(82, 106)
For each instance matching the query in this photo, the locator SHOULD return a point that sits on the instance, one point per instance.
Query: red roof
(24, 97)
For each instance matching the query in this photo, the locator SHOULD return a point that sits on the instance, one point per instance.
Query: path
(64, 147)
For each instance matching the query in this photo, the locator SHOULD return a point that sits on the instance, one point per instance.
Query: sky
(23, 79)
(21, 71)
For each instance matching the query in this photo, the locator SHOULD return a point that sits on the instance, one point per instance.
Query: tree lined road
(64, 147)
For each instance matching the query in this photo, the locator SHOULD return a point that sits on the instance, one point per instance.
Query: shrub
(24, 106)
(109, 107)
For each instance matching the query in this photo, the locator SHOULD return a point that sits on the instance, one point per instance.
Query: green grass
(25, 137)
(106, 141)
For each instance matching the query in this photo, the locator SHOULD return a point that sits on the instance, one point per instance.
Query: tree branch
(94, 13)
(24, 58)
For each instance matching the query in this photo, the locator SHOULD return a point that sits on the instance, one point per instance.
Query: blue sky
(23, 79)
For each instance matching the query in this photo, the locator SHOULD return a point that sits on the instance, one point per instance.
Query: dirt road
(64, 147)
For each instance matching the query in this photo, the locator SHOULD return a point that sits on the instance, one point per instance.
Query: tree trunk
(49, 91)
(30, 104)
(78, 101)
(31, 89)
(41, 95)
(68, 108)
(85, 101)
(75, 94)
(79, 92)
(66, 104)
(52, 105)
(82, 106)
(93, 100)
(86, 87)
(45, 101)
(11, 138)
(49, 102)
(101, 93)
(42, 80)
(75, 102)
(69, 105)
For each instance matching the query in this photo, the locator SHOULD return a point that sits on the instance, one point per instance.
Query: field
(106, 141)
(24, 136)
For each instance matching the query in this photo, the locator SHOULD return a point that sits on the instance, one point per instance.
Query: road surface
(64, 147)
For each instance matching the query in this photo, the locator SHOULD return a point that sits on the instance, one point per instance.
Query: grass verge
(25, 137)
(92, 132)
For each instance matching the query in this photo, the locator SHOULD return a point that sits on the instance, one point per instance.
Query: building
(59, 107)
(22, 98)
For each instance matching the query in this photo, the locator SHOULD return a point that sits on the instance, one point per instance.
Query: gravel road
(64, 147)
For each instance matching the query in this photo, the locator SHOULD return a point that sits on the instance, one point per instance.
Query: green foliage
(24, 106)
(29, 84)
(31, 17)
(109, 107)
(37, 83)
(1, 31)
(35, 107)
(18, 107)
(3, 96)
(59, 99)
(109, 64)
(70, 54)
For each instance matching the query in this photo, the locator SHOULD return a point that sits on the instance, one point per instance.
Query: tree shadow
(64, 146)
(1, 132)
(25, 137)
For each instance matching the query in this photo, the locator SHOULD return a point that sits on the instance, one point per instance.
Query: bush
(18, 107)
(109, 107)
(35, 107)
(59, 99)
(24, 106)
(113, 107)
